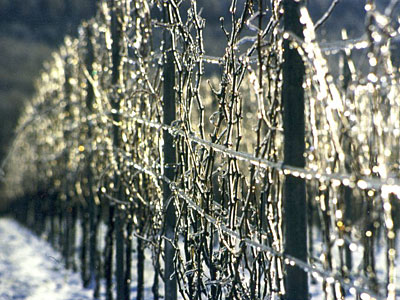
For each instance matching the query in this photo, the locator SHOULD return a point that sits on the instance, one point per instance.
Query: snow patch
(31, 270)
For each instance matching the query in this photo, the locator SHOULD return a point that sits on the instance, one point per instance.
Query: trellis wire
(93, 144)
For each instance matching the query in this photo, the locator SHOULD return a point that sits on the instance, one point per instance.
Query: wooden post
(93, 209)
(67, 201)
(84, 246)
(109, 254)
(169, 164)
(116, 80)
(295, 205)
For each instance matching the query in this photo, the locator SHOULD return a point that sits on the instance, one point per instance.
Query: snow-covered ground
(30, 269)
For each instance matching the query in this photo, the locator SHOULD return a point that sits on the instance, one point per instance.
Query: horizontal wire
(328, 48)
(390, 185)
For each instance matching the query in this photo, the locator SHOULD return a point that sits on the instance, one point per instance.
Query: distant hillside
(44, 20)
(29, 31)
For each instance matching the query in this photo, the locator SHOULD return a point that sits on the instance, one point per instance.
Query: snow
(30, 269)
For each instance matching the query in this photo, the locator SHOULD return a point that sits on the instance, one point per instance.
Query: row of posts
(122, 253)
(294, 191)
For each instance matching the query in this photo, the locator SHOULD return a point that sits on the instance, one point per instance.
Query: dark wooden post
(169, 163)
(294, 145)
(66, 201)
(116, 80)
